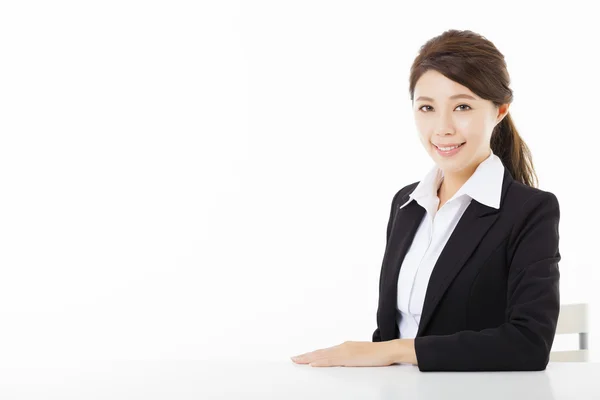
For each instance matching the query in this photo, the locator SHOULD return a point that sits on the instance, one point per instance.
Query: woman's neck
(453, 181)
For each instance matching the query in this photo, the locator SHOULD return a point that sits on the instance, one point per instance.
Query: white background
(203, 180)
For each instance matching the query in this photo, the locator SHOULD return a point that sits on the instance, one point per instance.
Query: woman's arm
(404, 351)
(524, 341)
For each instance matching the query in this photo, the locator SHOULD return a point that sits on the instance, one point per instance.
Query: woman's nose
(444, 124)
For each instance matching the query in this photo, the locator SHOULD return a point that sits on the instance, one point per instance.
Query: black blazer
(492, 301)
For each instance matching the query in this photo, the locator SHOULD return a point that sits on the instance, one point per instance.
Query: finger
(309, 354)
(305, 359)
(326, 359)
(313, 355)
(300, 360)
(323, 362)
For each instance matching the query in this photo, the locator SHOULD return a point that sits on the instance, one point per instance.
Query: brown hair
(473, 61)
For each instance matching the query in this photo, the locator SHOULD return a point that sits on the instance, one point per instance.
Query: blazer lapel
(404, 227)
(468, 233)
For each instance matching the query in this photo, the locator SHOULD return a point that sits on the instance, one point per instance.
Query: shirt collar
(484, 186)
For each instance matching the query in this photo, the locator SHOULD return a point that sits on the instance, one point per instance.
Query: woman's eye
(462, 105)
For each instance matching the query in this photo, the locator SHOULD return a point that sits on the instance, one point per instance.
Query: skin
(445, 120)
(439, 118)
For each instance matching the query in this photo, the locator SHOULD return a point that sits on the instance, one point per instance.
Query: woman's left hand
(352, 354)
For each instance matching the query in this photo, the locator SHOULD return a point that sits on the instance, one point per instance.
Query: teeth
(448, 148)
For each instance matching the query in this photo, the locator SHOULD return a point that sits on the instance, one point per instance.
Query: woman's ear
(502, 111)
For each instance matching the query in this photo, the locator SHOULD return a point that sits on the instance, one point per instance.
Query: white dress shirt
(485, 186)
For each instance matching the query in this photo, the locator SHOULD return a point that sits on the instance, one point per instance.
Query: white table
(175, 380)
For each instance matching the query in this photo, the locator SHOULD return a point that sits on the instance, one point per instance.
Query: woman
(470, 278)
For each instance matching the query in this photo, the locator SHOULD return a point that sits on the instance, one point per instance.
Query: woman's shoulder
(525, 196)
(534, 214)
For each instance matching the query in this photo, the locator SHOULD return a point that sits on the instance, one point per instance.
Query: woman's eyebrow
(456, 96)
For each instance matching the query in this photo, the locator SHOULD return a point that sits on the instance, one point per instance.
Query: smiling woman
(469, 279)
(456, 134)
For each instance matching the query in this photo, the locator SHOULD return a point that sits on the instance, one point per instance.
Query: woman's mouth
(448, 151)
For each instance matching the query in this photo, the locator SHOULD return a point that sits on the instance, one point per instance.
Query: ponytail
(507, 144)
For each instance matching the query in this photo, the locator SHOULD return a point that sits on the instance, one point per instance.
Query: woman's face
(448, 113)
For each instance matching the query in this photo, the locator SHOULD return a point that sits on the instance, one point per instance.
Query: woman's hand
(358, 354)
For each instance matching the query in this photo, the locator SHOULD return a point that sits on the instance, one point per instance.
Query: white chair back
(573, 318)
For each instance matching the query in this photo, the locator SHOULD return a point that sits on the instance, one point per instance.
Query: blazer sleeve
(523, 342)
(376, 335)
